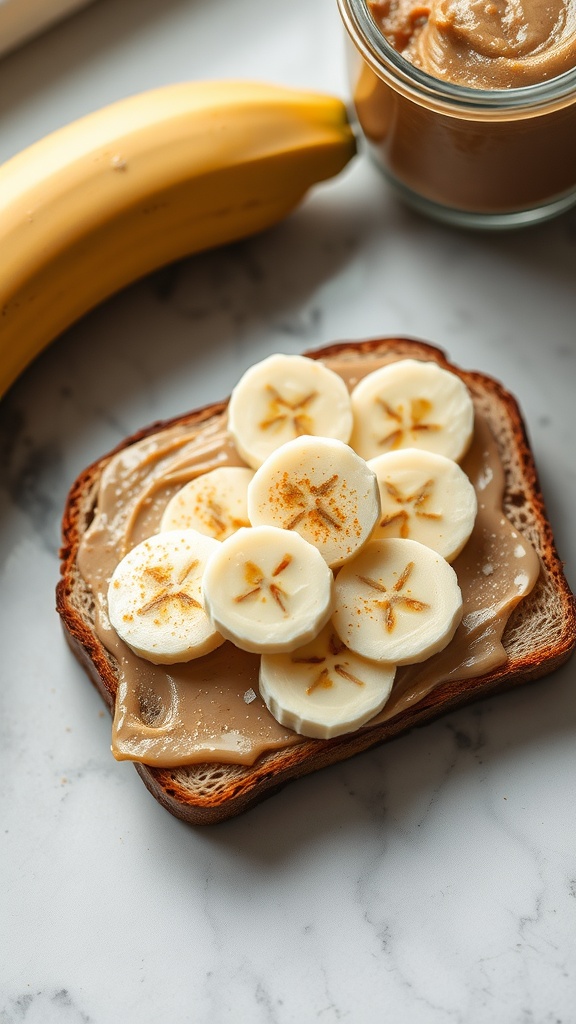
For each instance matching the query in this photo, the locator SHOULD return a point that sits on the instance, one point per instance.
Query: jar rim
(392, 67)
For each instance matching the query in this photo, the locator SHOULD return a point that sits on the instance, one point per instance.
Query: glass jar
(480, 158)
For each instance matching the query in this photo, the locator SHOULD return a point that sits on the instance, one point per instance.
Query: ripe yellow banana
(146, 181)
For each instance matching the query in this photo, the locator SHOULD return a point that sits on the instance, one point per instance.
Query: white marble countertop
(431, 881)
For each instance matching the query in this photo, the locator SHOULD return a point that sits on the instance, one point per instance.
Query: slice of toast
(539, 636)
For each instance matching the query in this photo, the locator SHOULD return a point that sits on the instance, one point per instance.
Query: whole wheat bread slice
(539, 636)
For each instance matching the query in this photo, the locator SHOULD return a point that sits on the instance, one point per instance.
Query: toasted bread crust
(540, 635)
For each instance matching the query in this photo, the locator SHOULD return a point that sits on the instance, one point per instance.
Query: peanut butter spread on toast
(209, 709)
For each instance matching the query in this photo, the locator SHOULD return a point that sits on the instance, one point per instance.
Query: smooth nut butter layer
(209, 709)
(480, 44)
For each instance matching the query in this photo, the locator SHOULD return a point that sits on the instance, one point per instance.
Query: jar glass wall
(484, 158)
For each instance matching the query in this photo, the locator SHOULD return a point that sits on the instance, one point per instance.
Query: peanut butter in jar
(469, 107)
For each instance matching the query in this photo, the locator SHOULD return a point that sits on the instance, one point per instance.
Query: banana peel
(146, 181)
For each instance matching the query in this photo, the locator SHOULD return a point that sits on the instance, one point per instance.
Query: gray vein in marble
(264, 999)
(305, 324)
(241, 281)
(47, 1006)
(28, 472)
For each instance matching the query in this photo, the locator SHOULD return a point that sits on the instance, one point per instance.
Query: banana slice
(323, 689)
(412, 404)
(426, 497)
(154, 598)
(398, 602)
(283, 397)
(319, 488)
(214, 503)
(267, 589)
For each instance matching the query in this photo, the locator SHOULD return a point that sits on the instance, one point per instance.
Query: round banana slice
(267, 589)
(319, 488)
(427, 497)
(214, 503)
(412, 404)
(154, 598)
(323, 689)
(398, 602)
(283, 397)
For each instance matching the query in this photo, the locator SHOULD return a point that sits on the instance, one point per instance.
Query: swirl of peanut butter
(483, 44)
